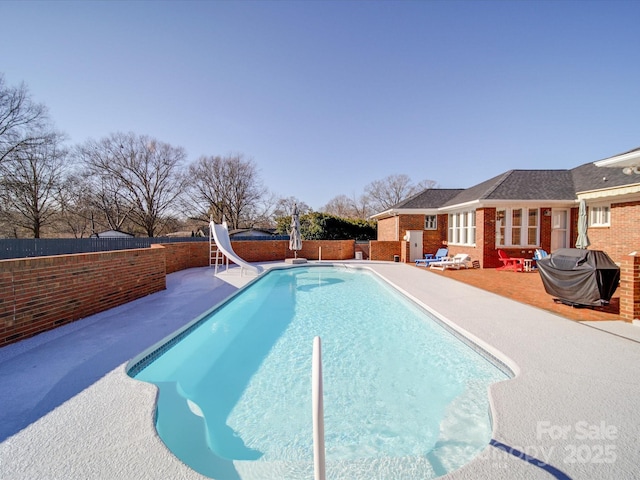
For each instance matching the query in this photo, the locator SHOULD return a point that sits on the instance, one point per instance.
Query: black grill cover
(579, 277)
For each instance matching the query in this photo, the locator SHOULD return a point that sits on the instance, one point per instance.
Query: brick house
(519, 211)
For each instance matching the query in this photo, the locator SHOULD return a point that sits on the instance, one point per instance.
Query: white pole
(319, 253)
(318, 411)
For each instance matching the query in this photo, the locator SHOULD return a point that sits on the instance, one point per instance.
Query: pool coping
(568, 413)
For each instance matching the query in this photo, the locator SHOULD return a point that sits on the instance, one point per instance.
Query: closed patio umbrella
(582, 240)
(295, 240)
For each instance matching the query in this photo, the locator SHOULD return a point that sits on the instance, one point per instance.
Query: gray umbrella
(295, 240)
(583, 239)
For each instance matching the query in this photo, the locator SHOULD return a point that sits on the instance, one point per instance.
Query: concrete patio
(69, 411)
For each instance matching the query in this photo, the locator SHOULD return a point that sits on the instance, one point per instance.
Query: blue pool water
(404, 397)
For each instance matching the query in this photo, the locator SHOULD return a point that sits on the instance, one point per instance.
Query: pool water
(403, 397)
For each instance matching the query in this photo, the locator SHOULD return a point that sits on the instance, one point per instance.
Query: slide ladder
(216, 257)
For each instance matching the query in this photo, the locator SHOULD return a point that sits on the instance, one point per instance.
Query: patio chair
(456, 262)
(510, 263)
(539, 254)
(430, 257)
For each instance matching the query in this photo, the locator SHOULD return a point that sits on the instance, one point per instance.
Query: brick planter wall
(38, 294)
(180, 256)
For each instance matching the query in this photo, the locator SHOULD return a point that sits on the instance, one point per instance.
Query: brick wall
(545, 229)
(435, 239)
(183, 255)
(277, 250)
(623, 235)
(384, 250)
(630, 287)
(38, 294)
(388, 229)
(409, 222)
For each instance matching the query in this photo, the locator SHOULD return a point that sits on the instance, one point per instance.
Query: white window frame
(462, 228)
(524, 227)
(600, 215)
(431, 222)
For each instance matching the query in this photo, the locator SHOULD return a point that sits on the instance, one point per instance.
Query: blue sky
(328, 96)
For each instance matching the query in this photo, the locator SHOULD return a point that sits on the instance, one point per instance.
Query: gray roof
(525, 185)
(429, 198)
(521, 185)
(589, 177)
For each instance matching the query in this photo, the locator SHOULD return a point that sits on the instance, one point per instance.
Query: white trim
(610, 192)
(404, 211)
(628, 159)
(538, 203)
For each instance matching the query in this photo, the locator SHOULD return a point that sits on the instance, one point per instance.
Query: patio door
(559, 228)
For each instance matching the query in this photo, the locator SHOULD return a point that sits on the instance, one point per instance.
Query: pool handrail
(318, 411)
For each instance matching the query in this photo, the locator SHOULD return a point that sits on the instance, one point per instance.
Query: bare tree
(135, 176)
(226, 187)
(109, 198)
(31, 178)
(348, 207)
(76, 212)
(284, 207)
(22, 122)
(393, 189)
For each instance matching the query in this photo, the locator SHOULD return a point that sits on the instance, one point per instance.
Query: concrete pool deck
(69, 411)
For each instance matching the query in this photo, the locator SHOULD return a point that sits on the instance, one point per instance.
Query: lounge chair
(456, 262)
(430, 257)
(510, 263)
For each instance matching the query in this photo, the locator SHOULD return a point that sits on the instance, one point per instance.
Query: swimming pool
(404, 398)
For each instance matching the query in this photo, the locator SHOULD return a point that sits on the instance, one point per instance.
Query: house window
(599, 216)
(430, 222)
(532, 227)
(462, 228)
(517, 227)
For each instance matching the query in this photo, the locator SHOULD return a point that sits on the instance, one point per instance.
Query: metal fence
(41, 247)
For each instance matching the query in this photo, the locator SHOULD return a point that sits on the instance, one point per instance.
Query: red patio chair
(510, 263)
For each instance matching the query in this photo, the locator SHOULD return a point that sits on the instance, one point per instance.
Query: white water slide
(223, 242)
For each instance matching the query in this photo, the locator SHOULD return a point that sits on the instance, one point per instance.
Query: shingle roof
(589, 177)
(429, 198)
(525, 185)
(521, 185)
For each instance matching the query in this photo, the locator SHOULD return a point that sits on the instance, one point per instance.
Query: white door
(559, 229)
(415, 244)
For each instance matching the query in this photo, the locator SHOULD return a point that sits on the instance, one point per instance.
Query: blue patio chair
(538, 255)
(429, 258)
